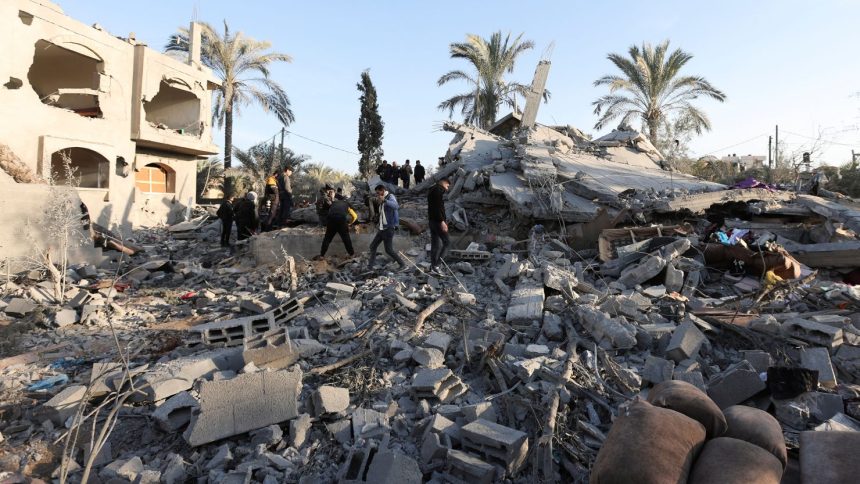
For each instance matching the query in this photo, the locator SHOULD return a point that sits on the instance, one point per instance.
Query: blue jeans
(439, 242)
(386, 237)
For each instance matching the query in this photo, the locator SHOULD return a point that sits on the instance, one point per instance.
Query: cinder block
(685, 342)
(812, 332)
(169, 378)
(247, 402)
(657, 370)
(469, 469)
(272, 349)
(369, 424)
(64, 404)
(330, 400)
(393, 468)
(175, 412)
(498, 444)
(819, 359)
(736, 384)
(438, 383)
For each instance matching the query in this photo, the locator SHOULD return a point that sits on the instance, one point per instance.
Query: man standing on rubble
(394, 174)
(271, 206)
(383, 170)
(340, 217)
(323, 204)
(419, 172)
(285, 194)
(406, 174)
(439, 239)
(225, 213)
(247, 220)
(389, 221)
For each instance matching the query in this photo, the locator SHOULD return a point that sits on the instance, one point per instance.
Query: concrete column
(534, 96)
(195, 38)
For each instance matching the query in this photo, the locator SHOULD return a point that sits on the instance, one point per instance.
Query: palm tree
(654, 90)
(492, 59)
(242, 64)
(263, 159)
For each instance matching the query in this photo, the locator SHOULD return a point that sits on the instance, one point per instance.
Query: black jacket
(338, 210)
(436, 204)
(246, 214)
(419, 172)
(225, 211)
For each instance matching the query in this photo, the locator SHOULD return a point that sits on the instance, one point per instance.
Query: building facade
(125, 122)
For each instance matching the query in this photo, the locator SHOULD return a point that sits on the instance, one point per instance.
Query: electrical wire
(736, 144)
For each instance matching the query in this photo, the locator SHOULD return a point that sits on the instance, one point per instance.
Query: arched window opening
(174, 109)
(80, 167)
(66, 79)
(155, 178)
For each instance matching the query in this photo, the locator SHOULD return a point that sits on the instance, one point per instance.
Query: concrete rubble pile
(702, 334)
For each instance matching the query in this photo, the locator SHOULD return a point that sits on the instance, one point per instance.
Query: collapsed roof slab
(700, 202)
(524, 200)
(846, 214)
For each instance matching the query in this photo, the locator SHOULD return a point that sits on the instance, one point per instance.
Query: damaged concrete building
(131, 121)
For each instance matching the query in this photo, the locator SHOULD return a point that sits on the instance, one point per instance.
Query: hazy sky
(780, 62)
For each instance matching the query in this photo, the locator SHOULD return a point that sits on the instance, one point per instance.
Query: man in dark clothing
(323, 203)
(225, 213)
(394, 175)
(383, 169)
(285, 194)
(340, 215)
(389, 221)
(406, 174)
(419, 172)
(247, 220)
(439, 240)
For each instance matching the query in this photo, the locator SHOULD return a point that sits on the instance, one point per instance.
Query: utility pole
(776, 147)
(281, 154)
(769, 159)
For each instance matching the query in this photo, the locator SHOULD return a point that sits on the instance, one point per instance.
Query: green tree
(210, 174)
(653, 90)
(242, 64)
(491, 59)
(263, 159)
(370, 127)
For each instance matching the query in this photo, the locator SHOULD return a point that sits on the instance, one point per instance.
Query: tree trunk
(228, 135)
(653, 124)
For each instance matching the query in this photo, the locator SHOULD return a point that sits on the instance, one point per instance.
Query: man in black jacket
(340, 215)
(419, 172)
(225, 213)
(439, 239)
(247, 219)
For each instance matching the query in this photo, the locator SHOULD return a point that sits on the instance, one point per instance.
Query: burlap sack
(829, 457)
(732, 461)
(685, 398)
(756, 427)
(648, 445)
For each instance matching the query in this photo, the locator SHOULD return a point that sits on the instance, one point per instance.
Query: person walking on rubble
(419, 172)
(271, 205)
(340, 217)
(406, 174)
(225, 213)
(247, 220)
(439, 239)
(285, 195)
(394, 174)
(383, 170)
(389, 221)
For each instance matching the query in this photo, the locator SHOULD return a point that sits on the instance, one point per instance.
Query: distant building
(745, 162)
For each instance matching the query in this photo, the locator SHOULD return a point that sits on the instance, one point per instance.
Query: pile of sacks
(679, 434)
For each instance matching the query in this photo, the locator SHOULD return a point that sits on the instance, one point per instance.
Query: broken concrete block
(99, 376)
(174, 470)
(438, 340)
(819, 359)
(339, 290)
(694, 378)
(429, 357)
(657, 370)
(552, 327)
(393, 468)
(268, 435)
(468, 468)
(330, 400)
(839, 423)
(247, 402)
(299, 428)
(369, 424)
(440, 424)
(648, 268)
(829, 457)
(272, 349)
(736, 384)
(169, 378)
(812, 332)
(760, 360)
(611, 333)
(341, 430)
(674, 281)
(65, 317)
(19, 307)
(439, 383)
(466, 298)
(175, 412)
(482, 410)
(222, 457)
(434, 446)
(63, 405)
(526, 304)
(685, 342)
(501, 445)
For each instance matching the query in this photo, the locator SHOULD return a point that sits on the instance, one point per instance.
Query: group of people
(273, 211)
(336, 214)
(393, 174)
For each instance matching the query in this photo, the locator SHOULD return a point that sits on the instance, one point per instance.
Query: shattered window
(175, 109)
(80, 167)
(155, 178)
(66, 79)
